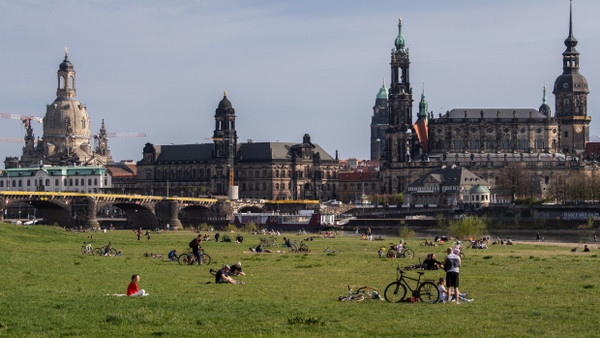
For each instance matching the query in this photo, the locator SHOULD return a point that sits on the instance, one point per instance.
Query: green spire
(544, 100)
(422, 107)
(399, 39)
(383, 92)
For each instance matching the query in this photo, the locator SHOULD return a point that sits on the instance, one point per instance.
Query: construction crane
(22, 117)
(123, 134)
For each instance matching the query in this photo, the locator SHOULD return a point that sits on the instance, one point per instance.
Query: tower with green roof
(379, 123)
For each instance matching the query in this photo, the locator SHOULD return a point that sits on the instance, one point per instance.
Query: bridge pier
(174, 222)
(92, 221)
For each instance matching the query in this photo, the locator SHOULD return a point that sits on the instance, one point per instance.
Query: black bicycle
(425, 291)
(188, 258)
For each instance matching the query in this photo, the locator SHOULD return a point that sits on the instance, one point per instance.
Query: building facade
(544, 147)
(85, 180)
(265, 170)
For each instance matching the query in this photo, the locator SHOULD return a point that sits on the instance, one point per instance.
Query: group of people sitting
(585, 249)
(223, 276)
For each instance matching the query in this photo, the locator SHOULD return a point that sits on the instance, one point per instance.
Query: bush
(406, 233)
(468, 227)
(231, 228)
(250, 227)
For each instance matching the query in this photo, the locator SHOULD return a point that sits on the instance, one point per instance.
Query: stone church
(547, 146)
(265, 170)
(66, 140)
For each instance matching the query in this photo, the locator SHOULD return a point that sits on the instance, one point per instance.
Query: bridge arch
(52, 212)
(138, 215)
(250, 208)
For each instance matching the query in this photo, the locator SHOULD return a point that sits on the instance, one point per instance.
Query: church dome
(66, 65)
(571, 83)
(383, 93)
(225, 107)
(545, 109)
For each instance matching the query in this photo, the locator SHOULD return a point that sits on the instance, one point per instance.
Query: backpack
(193, 243)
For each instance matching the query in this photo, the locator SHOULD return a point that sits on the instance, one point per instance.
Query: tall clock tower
(571, 90)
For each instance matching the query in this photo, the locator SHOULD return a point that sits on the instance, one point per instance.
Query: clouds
(289, 68)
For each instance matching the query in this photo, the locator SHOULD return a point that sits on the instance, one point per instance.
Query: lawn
(47, 288)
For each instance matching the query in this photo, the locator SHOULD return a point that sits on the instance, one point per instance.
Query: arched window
(89, 181)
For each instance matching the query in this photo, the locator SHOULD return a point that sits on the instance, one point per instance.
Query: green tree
(468, 227)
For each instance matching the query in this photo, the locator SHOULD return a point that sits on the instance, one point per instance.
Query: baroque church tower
(379, 124)
(401, 141)
(571, 90)
(225, 142)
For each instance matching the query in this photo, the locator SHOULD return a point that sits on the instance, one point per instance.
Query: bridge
(86, 210)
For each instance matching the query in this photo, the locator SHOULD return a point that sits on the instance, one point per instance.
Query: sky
(289, 67)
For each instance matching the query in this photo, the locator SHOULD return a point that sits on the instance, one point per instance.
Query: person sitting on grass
(132, 289)
(585, 248)
(430, 263)
(222, 277)
(107, 249)
(172, 255)
(287, 242)
(236, 270)
(443, 295)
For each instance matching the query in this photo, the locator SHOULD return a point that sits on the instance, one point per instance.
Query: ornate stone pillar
(174, 222)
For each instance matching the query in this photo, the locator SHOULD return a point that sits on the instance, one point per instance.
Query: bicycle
(270, 242)
(406, 252)
(87, 249)
(425, 291)
(299, 247)
(188, 258)
(102, 249)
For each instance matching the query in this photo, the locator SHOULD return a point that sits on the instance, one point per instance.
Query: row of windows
(66, 182)
(283, 186)
(359, 187)
(506, 144)
(177, 174)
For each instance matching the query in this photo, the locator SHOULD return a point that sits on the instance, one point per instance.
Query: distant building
(87, 180)
(66, 140)
(124, 175)
(265, 170)
(448, 187)
(358, 186)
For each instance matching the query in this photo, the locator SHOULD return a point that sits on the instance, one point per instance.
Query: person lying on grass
(222, 277)
(132, 289)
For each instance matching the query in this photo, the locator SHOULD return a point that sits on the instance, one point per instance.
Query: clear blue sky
(289, 68)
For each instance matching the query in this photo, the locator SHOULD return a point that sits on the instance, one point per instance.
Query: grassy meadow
(47, 288)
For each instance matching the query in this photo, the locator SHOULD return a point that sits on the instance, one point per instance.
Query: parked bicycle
(87, 249)
(270, 242)
(405, 253)
(299, 247)
(425, 291)
(102, 250)
(365, 292)
(188, 258)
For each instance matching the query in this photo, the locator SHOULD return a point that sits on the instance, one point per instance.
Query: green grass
(48, 289)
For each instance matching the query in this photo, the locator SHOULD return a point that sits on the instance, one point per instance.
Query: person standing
(452, 265)
(195, 244)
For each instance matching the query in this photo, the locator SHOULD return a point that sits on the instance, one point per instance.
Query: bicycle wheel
(428, 293)
(408, 253)
(113, 251)
(368, 292)
(294, 248)
(185, 259)
(395, 292)
(461, 255)
(98, 252)
(206, 259)
(303, 248)
(392, 253)
(84, 251)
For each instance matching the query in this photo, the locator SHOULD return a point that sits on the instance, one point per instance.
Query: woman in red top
(132, 289)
